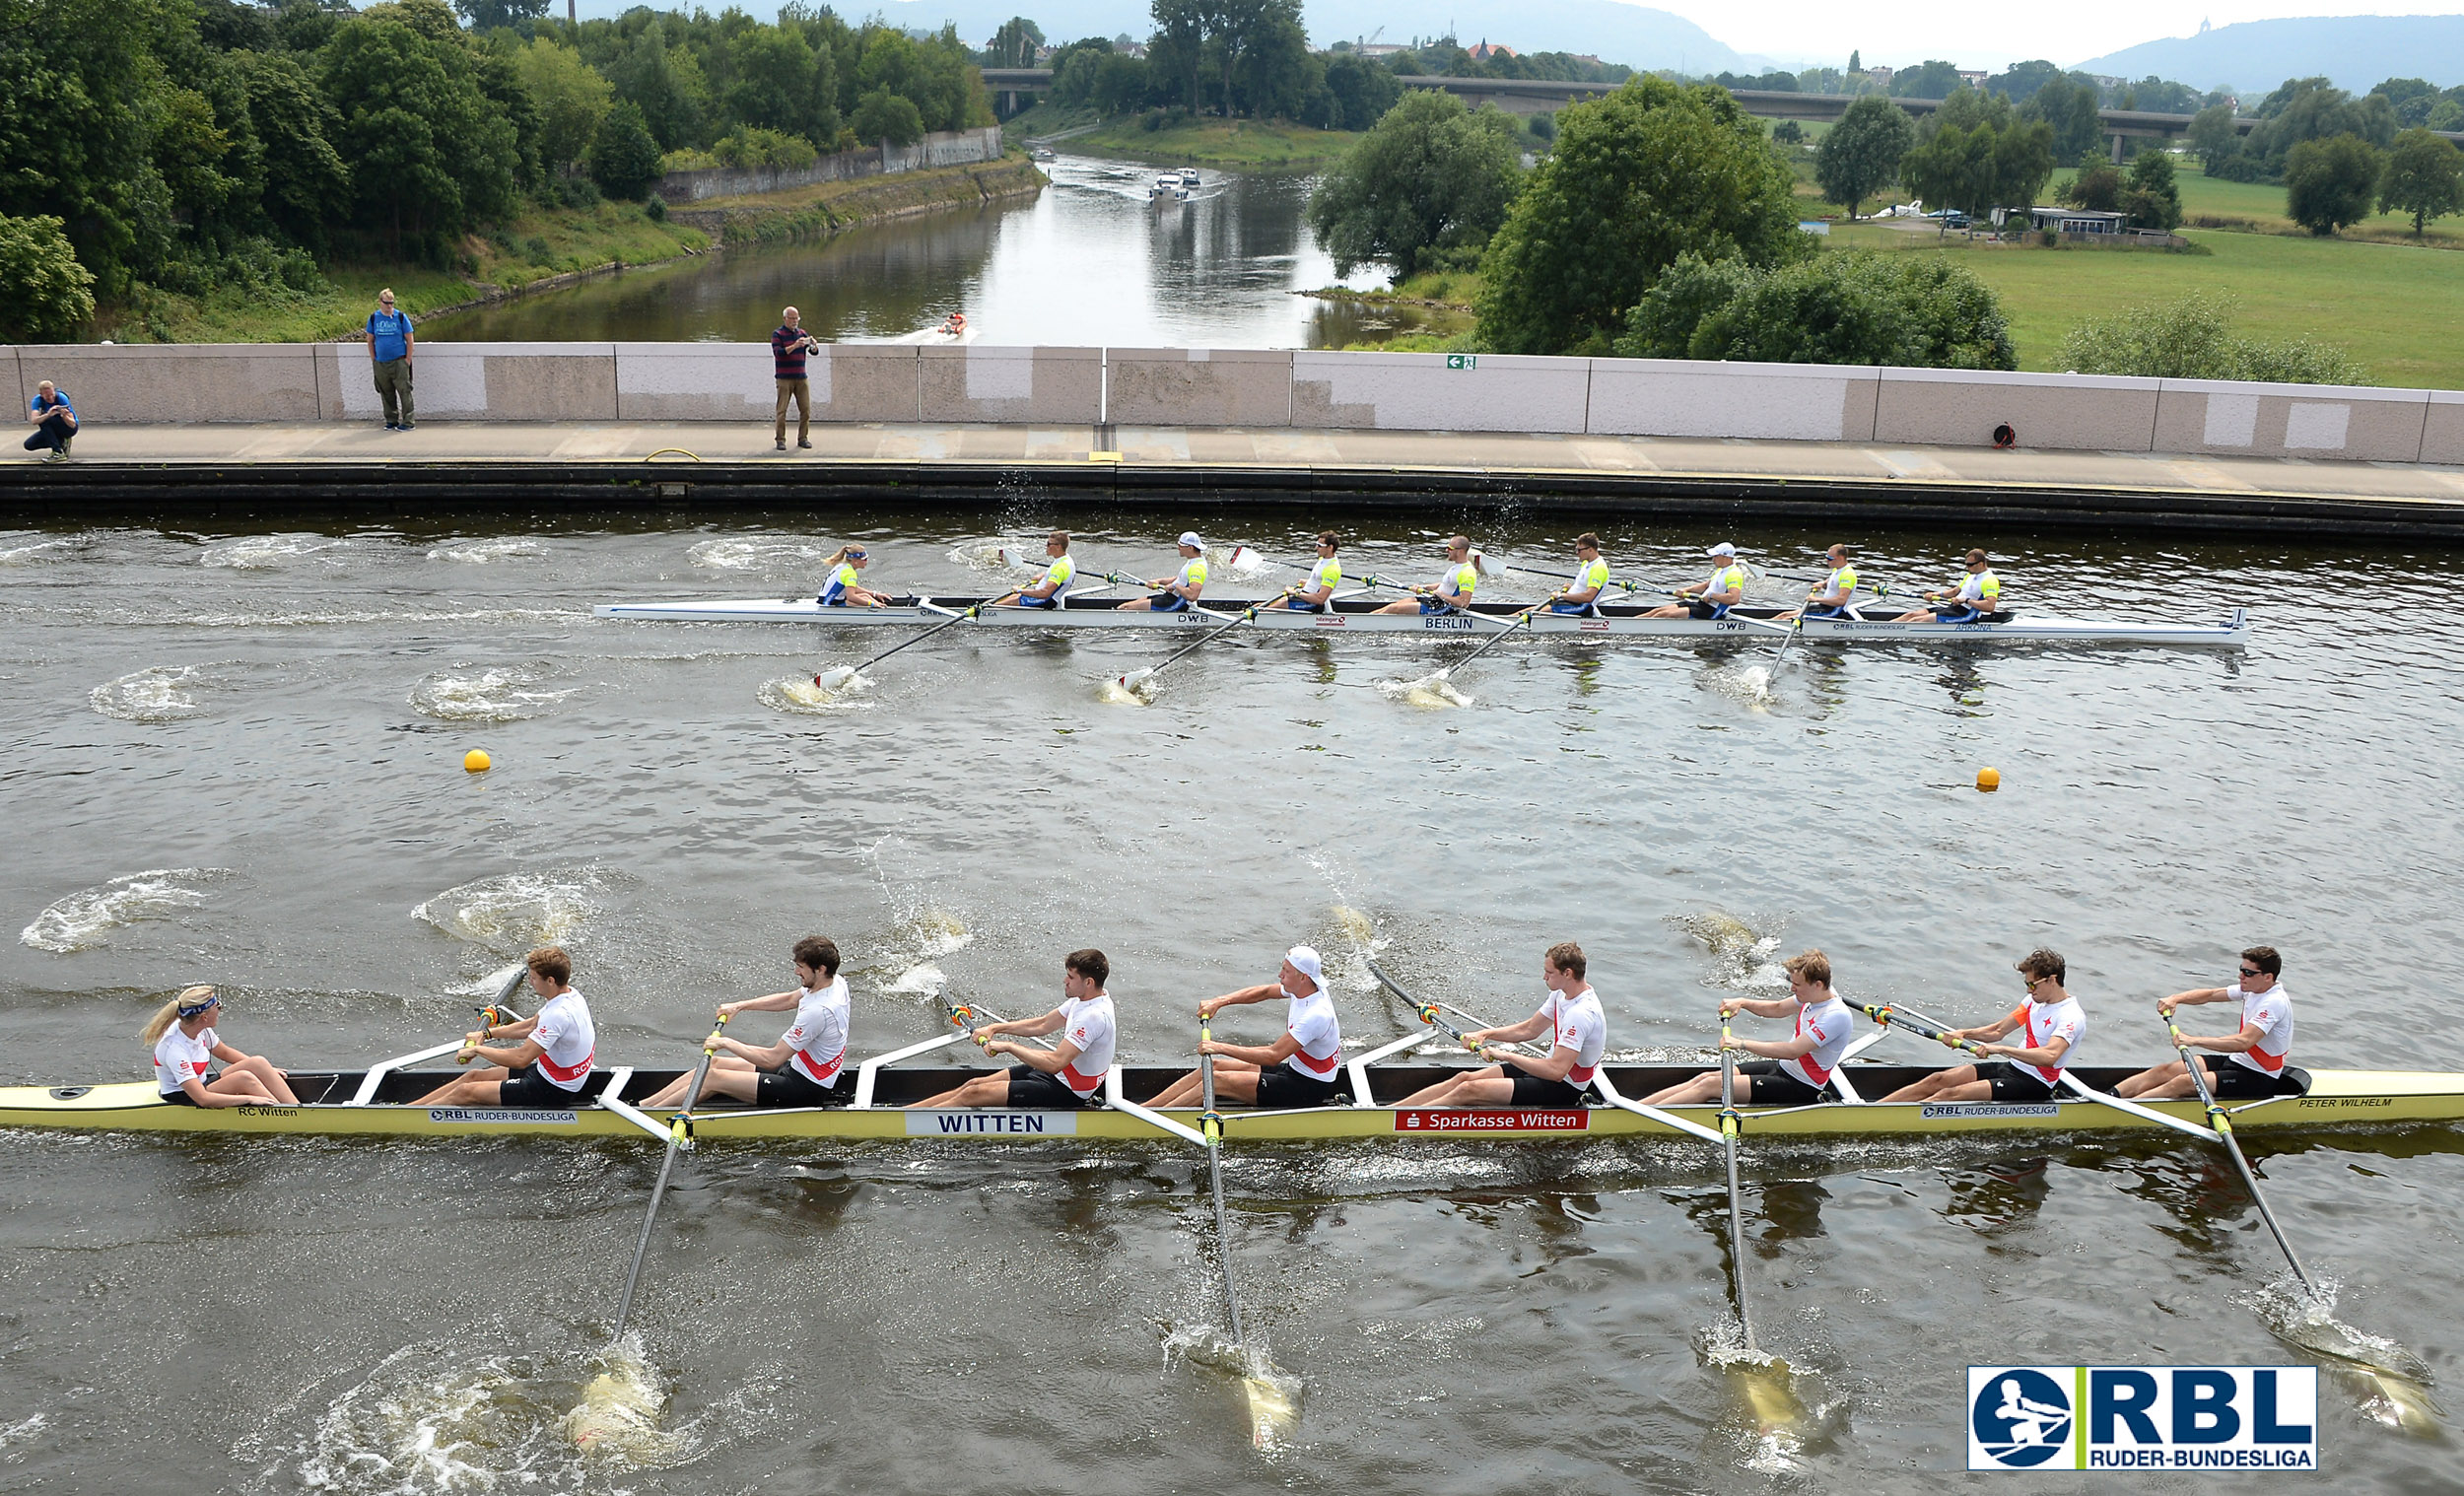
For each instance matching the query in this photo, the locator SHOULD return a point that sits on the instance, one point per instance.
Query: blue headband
(191, 1010)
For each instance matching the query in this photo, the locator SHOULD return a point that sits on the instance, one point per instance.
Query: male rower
(2249, 1061)
(1829, 598)
(1177, 594)
(1792, 1072)
(1299, 1070)
(844, 589)
(1722, 590)
(1578, 1031)
(807, 1066)
(1591, 579)
(550, 1067)
(1452, 592)
(1977, 594)
(1068, 1074)
(2052, 1023)
(1326, 574)
(1058, 571)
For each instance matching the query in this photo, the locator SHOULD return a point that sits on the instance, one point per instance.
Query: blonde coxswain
(844, 589)
(186, 1046)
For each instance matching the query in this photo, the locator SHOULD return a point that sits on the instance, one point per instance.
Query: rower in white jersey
(186, 1047)
(807, 1066)
(1452, 592)
(1058, 571)
(550, 1067)
(1179, 592)
(1722, 590)
(1072, 1072)
(2051, 1024)
(1830, 596)
(1577, 1030)
(1977, 594)
(1794, 1071)
(844, 589)
(1299, 1070)
(1591, 579)
(1326, 574)
(2248, 1062)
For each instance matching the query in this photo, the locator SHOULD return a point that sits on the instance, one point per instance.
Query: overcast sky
(1992, 34)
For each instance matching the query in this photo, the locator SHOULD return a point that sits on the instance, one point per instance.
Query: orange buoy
(1989, 780)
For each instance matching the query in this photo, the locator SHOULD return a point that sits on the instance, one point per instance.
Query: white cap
(1190, 538)
(1722, 549)
(1305, 961)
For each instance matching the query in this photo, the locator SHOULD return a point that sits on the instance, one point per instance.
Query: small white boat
(1188, 176)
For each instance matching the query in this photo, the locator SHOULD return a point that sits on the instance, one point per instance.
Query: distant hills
(2356, 52)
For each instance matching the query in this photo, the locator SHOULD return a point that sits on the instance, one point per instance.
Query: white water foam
(495, 694)
(262, 553)
(23, 549)
(156, 694)
(85, 918)
(758, 553)
(518, 911)
(481, 552)
(17, 1433)
(798, 696)
(1430, 692)
(1742, 957)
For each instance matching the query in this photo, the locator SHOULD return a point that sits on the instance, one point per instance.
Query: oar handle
(2197, 1072)
(1888, 1014)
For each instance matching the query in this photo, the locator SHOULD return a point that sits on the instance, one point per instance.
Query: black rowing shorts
(1531, 1091)
(1032, 1088)
(2011, 1083)
(787, 1086)
(2231, 1081)
(527, 1087)
(1777, 1086)
(1281, 1087)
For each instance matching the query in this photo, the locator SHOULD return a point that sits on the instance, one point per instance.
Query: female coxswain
(186, 1045)
(842, 590)
(807, 1066)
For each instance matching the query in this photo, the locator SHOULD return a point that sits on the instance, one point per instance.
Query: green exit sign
(1463, 360)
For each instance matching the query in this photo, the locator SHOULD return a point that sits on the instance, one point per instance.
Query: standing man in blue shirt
(54, 421)
(389, 357)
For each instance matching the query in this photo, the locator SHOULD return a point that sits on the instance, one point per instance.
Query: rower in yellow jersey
(1059, 572)
(1591, 579)
(1453, 592)
(1317, 594)
(1177, 593)
(1978, 593)
(1832, 594)
(843, 589)
(1722, 590)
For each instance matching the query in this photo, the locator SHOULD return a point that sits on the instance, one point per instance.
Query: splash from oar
(1273, 1410)
(618, 1415)
(1439, 683)
(1764, 1380)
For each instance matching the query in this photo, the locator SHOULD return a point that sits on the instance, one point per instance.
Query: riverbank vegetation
(219, 167)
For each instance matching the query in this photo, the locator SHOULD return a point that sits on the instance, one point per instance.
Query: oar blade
(1273, 1407)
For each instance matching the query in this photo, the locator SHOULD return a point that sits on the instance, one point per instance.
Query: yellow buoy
(477, 761)
(1989, 780)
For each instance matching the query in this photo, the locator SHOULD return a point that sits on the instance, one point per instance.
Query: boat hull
(2334, 1099)
(1358, 616)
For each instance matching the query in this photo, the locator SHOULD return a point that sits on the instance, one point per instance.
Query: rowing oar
(838, 675)
(1136, 679)
(1447, 672)
(1271, 1411)
(679, 1133)
(1768, 1379)
(2225, 1134)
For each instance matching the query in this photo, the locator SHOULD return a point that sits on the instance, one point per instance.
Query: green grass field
(2393, 307)
(1217, 143)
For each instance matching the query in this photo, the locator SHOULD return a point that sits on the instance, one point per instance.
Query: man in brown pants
(788, 347)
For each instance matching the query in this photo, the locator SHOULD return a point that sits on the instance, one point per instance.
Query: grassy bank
(1217, 143)
(825, 208)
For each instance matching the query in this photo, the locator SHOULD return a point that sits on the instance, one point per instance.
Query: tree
(624, 157)
(666, 84)
(2193, 339)
(884, 117)
(1861, 153)
(1787, 132)
(1014, 45)
(488, 15)
(1931, 79)
(1431, 176)
(1918, 311)
(570, 96)
(1638, 177)
(2151, 197)
(781, 83)
(304, 179)
(2424, 176)
(2215, 140)
(2097, 188)
(1975, 154)
(2022, 81)
(1363, 92)
(430, 153)
(2069, 105)
(2329, 183)
(46, 296)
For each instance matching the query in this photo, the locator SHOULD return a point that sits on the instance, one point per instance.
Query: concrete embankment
(1210, 428)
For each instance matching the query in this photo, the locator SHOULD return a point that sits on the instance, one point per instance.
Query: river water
(1089, 261)
(235, 757)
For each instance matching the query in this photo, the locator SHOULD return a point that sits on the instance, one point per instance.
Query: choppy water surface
(236, 758)
(1087, 261)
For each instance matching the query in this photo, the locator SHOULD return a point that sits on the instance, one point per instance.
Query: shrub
(45, 294)
(536, 249)
(2193, 339)
(749, 146)
(1905, 311)
(2329, 184)
(655, 208)
(624, 158)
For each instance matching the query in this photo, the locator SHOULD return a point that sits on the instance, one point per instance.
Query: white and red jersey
(1579, 1025)
(819, 1037)
(1088, 1024)
(567, 1040)
(1830, 1026)
(2041, 1022)
(1311, 1021)
(2271, 1013)
(179, 1058)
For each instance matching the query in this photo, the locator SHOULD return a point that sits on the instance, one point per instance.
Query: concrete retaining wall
(946, 147)
(1223, 387)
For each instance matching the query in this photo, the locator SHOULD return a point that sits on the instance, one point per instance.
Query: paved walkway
(736, 463)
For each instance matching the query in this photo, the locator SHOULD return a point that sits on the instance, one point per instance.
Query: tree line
(195, 145)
